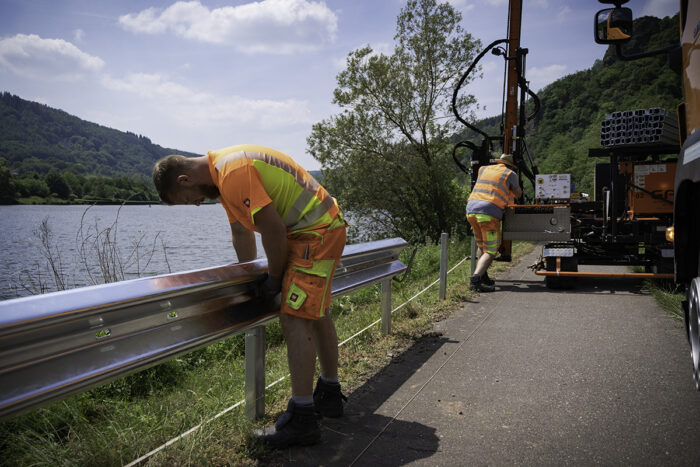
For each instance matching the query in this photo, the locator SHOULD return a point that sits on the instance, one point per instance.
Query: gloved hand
(271, 286)
(268, 287)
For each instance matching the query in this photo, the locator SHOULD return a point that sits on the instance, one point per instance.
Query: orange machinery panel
(655, 184)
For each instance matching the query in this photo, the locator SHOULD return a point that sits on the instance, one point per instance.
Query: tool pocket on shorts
(308, 285)
(295, 296)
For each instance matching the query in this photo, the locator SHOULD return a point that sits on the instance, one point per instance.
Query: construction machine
(645, 207)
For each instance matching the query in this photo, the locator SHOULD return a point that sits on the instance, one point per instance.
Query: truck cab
(614, 26)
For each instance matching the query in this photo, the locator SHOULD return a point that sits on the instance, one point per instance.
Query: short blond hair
(165, 174)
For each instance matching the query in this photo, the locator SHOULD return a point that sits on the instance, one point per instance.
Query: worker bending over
(496, 186)
(303, 234)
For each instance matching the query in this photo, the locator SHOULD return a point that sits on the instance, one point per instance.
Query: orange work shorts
(487, 232)
(312, 257)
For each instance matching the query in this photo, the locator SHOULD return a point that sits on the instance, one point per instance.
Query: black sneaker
(477, 283)
(297, 426)
(487, 280)
(328, 400)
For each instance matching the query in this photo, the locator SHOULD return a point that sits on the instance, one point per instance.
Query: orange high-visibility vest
(491, 186)
(250, 176)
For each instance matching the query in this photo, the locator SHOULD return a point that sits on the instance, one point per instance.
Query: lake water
(173, 238)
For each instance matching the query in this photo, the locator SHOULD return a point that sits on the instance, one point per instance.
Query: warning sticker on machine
(553, 186)
(649, 169)
(652, 187)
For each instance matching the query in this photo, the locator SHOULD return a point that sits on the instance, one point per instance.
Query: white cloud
(563, 14)
(461, 5)
(268, 26)
(660, 8)
(380, 48)
(540, 77)
(339, 63)
(197, 108)
(49, 59)
(78, 35)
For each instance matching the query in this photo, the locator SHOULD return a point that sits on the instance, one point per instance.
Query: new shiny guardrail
(60, 343)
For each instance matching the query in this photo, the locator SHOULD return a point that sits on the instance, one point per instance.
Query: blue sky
(206, 74)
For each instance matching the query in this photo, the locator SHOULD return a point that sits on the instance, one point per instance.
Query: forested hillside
(37, 138)
(573, 107)
(48, 155)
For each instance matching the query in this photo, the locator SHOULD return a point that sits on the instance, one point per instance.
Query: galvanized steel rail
(60, 343)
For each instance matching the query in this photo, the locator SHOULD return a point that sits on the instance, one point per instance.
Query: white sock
(303, 400)
(329, 380)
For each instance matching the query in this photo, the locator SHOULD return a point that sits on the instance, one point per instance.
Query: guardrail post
(473, 254)
(386, 306)
(255, 372)
(443, 265)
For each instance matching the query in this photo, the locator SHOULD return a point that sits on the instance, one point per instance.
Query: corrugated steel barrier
(60, 343)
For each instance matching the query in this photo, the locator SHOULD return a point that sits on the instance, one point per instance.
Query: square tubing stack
(640, 127)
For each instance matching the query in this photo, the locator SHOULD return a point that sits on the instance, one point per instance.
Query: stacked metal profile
(641, 127)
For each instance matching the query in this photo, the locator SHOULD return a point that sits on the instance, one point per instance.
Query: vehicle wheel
(567, 264)
(694, 328)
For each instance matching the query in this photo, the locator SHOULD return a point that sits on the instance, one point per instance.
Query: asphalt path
(528, 376)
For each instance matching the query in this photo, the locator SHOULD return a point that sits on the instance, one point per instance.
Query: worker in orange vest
(303, 232)
(496, 186)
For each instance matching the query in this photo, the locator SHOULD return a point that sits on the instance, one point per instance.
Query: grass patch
(668, 296)
(116, 423)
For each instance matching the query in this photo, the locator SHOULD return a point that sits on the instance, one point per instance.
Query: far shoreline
(35, 201)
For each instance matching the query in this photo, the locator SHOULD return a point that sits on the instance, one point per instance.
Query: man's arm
(243, 242)
(514, 185)
(518, 192)
(274, 239)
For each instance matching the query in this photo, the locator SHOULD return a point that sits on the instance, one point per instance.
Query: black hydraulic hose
(537, 103)
(621, 55)
(462, 144)
(653, 195)
(461, 81)
(535, 170)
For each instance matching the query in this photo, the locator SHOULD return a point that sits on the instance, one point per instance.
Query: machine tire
(567, 264)
(693, 324)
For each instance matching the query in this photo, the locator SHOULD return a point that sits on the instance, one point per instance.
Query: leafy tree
(73, 182)
(386, 155)
(32, 185)
(57, 184)
(7, 184)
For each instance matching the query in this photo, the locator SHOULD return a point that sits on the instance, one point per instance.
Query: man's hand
(270, 286)
(267, 289)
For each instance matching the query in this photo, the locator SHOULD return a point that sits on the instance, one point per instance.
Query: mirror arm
(623, 57)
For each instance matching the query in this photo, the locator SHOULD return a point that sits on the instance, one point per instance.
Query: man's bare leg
(326, 342)
(299, 424)
(483, 264)
(301, 354)
(328, 397)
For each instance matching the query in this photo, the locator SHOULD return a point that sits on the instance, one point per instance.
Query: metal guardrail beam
(60, 343)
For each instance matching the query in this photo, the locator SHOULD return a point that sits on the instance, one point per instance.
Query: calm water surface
(181, 238)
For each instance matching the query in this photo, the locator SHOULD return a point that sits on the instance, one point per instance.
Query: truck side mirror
(613, 26)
